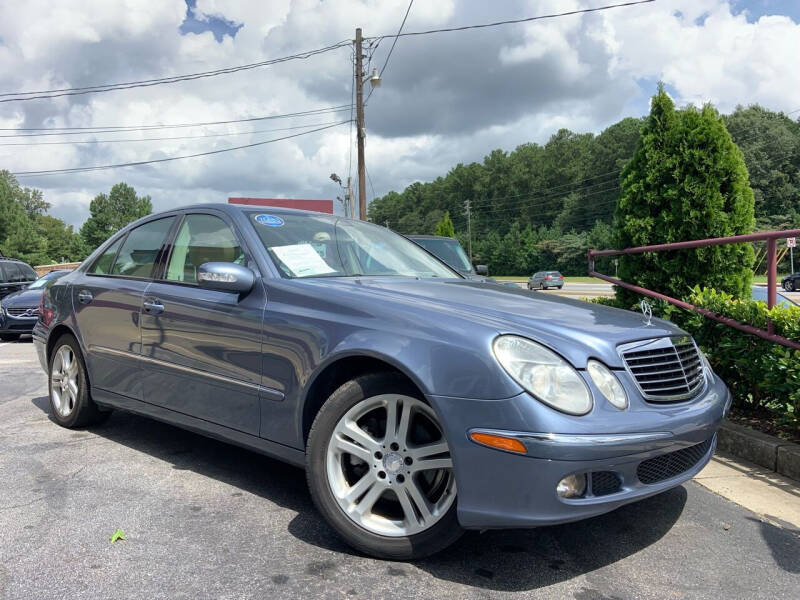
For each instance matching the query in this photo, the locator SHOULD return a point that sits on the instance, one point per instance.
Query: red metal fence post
(772, 272)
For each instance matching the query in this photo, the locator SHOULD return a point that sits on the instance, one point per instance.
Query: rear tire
(789, 286)
(9, 337)
(68, 386)
(369, 483)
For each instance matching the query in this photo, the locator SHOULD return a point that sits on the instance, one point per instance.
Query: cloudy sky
(445, 98)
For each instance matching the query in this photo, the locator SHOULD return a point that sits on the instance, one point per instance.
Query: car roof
(234, 208)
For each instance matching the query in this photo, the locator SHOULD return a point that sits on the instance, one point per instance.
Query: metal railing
(771, 238)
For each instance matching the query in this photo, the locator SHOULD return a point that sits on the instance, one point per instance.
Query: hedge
(763, 376)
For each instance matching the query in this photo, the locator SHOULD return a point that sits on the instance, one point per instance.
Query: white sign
(791, 242)
(302, 260)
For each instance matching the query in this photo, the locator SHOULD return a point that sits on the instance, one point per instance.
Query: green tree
(62, 242)
(687, 180)
(111, 212)
(445, 226)
(18, 235)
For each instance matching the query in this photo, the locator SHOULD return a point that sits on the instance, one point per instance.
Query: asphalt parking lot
(203, 519)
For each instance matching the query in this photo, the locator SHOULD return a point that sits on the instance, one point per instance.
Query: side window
(3, 276)
(141, 248)
(202, 239)
(13, 273)
(102, 266)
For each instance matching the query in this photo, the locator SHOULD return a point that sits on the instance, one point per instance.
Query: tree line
(543, 206)
(27, 232)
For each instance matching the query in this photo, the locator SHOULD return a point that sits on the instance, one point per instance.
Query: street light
(348, 194)
(375, 79)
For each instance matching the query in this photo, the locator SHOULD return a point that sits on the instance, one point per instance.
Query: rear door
(107, 301)
(201, 349)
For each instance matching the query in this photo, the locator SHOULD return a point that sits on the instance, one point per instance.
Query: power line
(182, 137)
(168, 159)
(77, 91)
(513, 21)
(124, 128)
(386, 62)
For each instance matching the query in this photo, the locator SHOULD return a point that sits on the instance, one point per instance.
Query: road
(203, 519)
(592, 290)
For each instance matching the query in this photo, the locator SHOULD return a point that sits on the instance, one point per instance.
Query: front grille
(18, 312)
(605, 483)
(673, 464)
(665, 369)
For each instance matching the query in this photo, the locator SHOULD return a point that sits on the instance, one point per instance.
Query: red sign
(323, 206)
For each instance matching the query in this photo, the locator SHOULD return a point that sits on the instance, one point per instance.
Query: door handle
(153, 306)
(85, 296)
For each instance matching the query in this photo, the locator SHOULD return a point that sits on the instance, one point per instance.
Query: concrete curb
(764, 450)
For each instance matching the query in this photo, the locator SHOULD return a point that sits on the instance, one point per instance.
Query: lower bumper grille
(605, 483)
(666, 466)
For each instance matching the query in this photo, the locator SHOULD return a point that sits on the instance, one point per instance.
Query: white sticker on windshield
(302, 260)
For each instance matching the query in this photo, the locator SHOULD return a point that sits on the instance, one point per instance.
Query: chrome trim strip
(273, 394)
(578, 439)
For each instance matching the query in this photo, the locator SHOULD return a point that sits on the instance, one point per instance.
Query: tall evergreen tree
(687, 180)
(445, 226)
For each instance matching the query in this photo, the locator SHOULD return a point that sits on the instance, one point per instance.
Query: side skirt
(272, 449)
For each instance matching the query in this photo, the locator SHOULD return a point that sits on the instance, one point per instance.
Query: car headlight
(543, 373)
(608, 384)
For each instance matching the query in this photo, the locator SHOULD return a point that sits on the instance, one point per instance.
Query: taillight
(45, 314)
(561, 277)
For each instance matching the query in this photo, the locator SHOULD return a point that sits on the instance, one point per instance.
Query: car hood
(576, 329)
(24, 299)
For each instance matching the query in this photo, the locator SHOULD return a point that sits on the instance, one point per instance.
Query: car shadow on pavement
(784, 543)
(508, 560)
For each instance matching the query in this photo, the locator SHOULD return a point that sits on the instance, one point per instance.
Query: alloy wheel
(389, 466)
(64, 381)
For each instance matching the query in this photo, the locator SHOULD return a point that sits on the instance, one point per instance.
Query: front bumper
(498, 489)
(12, 324)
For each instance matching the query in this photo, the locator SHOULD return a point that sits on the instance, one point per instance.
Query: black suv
(14, 275)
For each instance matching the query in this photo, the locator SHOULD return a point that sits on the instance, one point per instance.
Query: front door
(201, 349)
(107, 300)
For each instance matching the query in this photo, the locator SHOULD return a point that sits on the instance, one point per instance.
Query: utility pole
(359, 75)
(469, 228)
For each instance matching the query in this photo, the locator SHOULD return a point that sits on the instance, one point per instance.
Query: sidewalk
(774, 497)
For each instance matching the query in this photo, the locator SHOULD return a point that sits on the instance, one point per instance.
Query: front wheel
(69, 386)
(379, 469)
(789, 286)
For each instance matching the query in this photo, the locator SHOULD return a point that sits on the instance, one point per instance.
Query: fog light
(572, 486)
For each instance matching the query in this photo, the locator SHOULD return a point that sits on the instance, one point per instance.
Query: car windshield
(316, 245)
(42, 281)
(450, 251)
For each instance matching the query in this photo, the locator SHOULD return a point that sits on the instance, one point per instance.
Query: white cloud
(446, 99)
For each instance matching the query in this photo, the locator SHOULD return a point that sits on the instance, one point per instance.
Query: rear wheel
(69, 386)
(788, 285)
(379, 469)
(9, 337)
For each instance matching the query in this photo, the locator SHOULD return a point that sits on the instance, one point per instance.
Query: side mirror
(482, 270)
(225, 277)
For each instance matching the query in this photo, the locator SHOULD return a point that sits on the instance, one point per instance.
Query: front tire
(379, 469)
(71, 404)
(789, 286)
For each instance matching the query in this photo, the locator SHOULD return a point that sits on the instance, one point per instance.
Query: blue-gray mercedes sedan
(420, 403)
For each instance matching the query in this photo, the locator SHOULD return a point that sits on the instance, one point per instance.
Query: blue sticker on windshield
(269, 220)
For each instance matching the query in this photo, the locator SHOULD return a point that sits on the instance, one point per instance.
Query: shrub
(761, 375)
